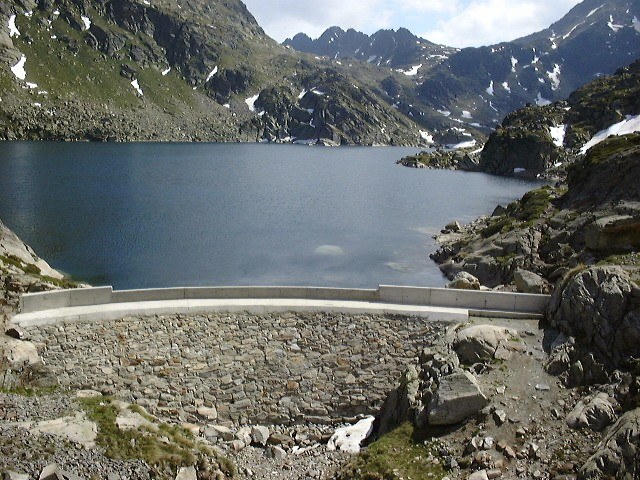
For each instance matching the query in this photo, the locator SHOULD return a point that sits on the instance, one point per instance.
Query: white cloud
(492, 21)
(285, 18)
(459, 23)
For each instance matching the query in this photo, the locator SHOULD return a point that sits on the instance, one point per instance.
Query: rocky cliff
(135, 70)
(479, 86)
(545, 140)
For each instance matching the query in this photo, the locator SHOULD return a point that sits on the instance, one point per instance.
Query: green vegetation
(406, 452)
(522, 213)
(164, 447)
(611, 146)
(34, 270)
(30, 391)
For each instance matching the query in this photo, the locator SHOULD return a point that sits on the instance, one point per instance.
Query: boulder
(600, 308)
(458, 397)
(529, 282)
(618, 453)
(54, 472)
(613, 233)
(595, 412)
(480, 342)
(410, 401)
(464, 281)
(11, 475)
(187, 473)
(259, 435)
(453, 226)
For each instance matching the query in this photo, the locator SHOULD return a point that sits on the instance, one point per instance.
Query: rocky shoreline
(240, 396)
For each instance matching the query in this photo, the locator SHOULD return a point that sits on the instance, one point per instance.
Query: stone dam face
(235, 369)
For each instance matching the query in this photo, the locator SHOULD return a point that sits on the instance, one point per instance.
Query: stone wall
(234, 369)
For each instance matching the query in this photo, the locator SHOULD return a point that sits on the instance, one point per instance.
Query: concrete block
(149, 295)
(34, 302)
(532, 303)
(390, 294)
(90, 296)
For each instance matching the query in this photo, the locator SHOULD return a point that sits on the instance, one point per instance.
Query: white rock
(187, 473)
(260, 435)
(348, 439)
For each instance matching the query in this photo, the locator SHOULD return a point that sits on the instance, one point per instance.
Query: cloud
(285, 18)
(459, 23)
(493, 21)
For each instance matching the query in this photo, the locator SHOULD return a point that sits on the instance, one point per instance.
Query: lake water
(160, 215)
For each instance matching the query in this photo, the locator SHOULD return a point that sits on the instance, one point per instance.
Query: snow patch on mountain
(636, 24)
(614, 26)
(412, 71)
(506, 86)
(426, 136)
(558, 133)
(514, 62)
(251, 102)
(86, 21)
(136, 85)
(630, 124)
(13, 30)
(564, 37)
(541, 101)
(594, 10)
(489, 89)
(18, 69)
(554, 76)
(211, 74)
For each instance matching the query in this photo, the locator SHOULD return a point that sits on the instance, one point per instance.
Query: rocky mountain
(591, 144)
(200, 70)
(399, 49)
(537, 140)
(480, 86)
(596, 37)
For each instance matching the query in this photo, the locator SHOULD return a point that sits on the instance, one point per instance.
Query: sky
(456, 23)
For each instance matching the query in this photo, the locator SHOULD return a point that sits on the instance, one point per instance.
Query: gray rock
(464, 281)
(600, 308)
(458, 397)
(219, 431)
(187, 473)
(595, 412)
(480, 342)
(17, 333)
(11, 475)
(453, 226)
(259, 435)
(618, 453)
(277, 453)
(54, 472)
(481, 475)
(529, 282)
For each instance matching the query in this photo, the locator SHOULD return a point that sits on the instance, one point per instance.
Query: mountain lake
(146, 215)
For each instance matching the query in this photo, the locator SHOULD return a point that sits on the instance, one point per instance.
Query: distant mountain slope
(546, 139)
(398, 49)
(596, 37)
(197, 70)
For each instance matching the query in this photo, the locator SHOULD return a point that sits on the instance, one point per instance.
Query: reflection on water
(155, 215)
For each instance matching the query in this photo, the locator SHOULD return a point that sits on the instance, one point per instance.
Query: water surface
(159, 215)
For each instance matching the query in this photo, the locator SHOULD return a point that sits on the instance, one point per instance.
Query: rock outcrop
(618, 454)
(600, 308)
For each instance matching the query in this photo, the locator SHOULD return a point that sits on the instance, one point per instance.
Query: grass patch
(30, 391)
(402, 453)
(32, 269)
(522, 213)
(165, 449)
(627, 260)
